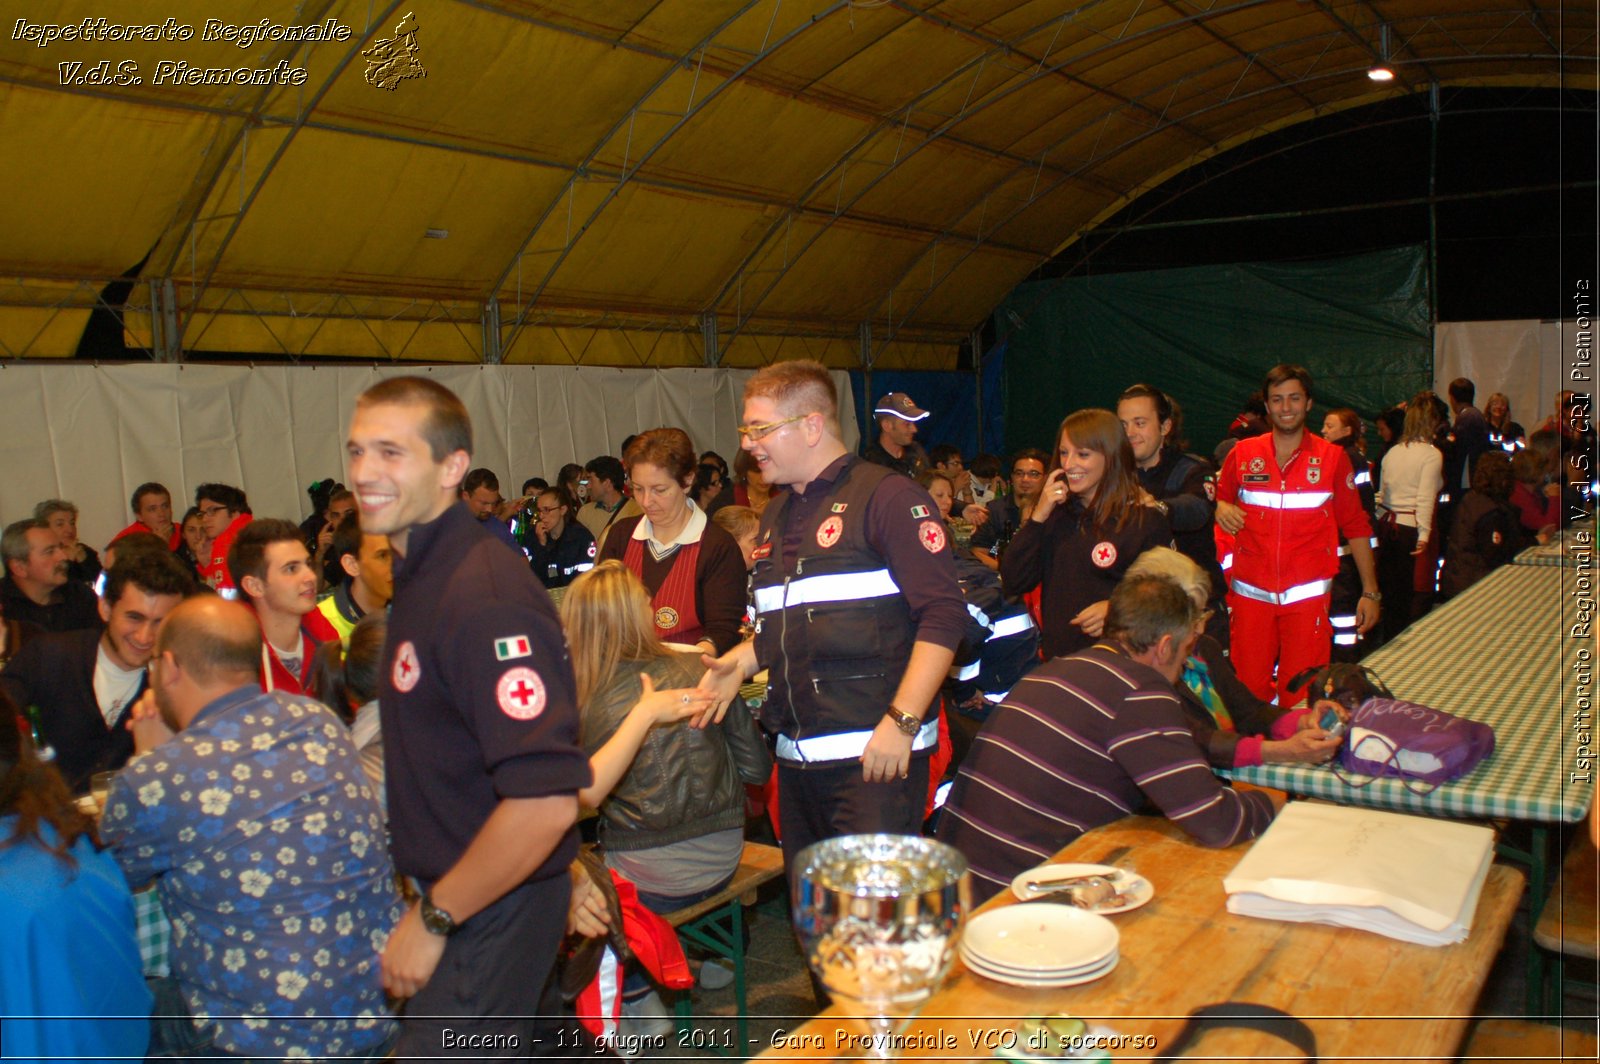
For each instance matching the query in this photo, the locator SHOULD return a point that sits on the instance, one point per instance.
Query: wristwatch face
(907, 724)
(436, 920)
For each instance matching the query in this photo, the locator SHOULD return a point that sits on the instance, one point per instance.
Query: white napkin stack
(1407, 877)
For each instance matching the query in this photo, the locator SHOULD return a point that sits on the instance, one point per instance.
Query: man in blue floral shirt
(252, 814)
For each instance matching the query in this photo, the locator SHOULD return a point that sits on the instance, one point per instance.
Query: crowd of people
(348, 754)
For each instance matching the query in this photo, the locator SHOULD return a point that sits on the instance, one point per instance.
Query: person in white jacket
(1413, 472)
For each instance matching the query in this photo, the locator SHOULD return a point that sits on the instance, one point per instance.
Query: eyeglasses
(551, 509)
(1025, 474)
(761, 432)
(207, 511)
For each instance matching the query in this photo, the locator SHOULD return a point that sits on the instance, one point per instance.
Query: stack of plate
(1040, 945)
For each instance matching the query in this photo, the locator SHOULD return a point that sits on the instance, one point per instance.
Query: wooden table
(1503, 653)
(1185, 950)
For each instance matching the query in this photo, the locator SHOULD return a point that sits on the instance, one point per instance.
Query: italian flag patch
(919, 512)
(516, 646)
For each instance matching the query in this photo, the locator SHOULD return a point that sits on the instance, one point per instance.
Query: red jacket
(655, 945)
(315, 630)
(215, 571)
(1293, 517)
(173, 542)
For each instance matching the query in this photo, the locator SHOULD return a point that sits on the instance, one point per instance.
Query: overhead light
(436, 234)
(1381, 71)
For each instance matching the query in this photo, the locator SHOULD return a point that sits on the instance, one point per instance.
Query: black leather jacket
(684, 782)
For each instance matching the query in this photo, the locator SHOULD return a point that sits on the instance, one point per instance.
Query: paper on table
(1407, 877)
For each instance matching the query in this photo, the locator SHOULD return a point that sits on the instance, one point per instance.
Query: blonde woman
(1413, 473)
(670, 796)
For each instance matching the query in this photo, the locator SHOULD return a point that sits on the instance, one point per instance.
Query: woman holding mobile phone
(1090, 523)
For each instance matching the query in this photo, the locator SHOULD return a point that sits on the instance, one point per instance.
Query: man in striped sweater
(1087, 739)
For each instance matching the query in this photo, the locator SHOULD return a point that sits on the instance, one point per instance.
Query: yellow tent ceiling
(635, 181)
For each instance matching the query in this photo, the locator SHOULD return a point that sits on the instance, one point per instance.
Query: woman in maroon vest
(692, 568)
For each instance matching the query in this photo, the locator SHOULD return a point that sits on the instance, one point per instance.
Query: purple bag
(1393, 737)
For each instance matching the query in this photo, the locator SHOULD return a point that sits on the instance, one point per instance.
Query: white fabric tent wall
(91, 434)
(1527, 360)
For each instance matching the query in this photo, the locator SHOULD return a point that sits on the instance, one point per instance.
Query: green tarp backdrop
(1207, 335)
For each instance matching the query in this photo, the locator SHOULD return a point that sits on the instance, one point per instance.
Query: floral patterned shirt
(268, 848)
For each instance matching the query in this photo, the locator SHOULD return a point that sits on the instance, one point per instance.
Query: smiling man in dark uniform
(480, 731)
(858, 615)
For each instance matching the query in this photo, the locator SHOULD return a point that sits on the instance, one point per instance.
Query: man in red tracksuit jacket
(1286, 497)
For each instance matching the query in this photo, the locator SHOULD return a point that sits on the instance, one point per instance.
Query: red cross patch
(520, 693)
(1350, 481)
(1314, 474)
(931, 533)
(407, 669)
(593, 550)
(829, 531)
(1257, 465)
(1104, 554)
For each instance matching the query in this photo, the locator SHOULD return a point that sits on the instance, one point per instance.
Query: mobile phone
(1332, 723)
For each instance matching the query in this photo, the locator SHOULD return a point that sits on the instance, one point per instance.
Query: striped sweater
(1080, 742)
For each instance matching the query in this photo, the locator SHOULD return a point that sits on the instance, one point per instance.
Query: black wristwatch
(907, 724)
(436, 920)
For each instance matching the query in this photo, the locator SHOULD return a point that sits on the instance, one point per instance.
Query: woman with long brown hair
(1091, 521)
(70, 950)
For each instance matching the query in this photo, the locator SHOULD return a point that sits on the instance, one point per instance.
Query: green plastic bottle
(43, 750)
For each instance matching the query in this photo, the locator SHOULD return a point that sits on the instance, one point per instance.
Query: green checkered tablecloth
(153, 932)
(1501, 653)
(1573, 548)
(1550, 554)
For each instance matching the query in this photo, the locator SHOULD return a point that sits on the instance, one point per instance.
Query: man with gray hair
(35, 588)
(1090, 738)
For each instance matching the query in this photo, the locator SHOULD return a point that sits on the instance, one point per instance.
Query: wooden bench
(1528, 1043)
(717, 924)
(1567, 925)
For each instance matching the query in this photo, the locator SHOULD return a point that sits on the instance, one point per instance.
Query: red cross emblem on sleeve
(520, 693)
(829, 531)
(1104, 554)
(931, 533)
(407, 669)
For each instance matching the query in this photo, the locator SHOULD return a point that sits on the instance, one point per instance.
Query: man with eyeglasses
(858, 615)
(224, 510)
(1007, 512)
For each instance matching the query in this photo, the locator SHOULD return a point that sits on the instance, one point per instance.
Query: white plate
(1048, 981)
(974, 961)
(1134, 888)
(1052, 938)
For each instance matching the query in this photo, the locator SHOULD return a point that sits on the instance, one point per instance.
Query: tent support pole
(1433, 215)
(864, 338)
(709, 340)
(977, 381)
(164, 322)
(493, 355)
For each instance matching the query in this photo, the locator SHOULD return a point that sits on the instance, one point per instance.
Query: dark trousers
(823, 803)
(494, 993)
